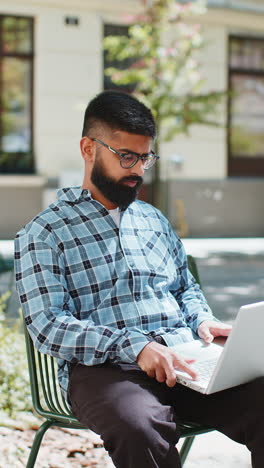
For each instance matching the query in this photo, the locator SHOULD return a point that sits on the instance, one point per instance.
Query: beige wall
(20, 200)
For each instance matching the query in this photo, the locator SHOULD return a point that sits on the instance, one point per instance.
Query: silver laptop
(228, 362)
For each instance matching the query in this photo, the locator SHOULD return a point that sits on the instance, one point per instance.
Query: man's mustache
(137, 179)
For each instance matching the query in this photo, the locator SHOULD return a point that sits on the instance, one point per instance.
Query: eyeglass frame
(142, 157)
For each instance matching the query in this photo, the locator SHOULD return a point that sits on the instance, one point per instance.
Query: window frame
(28, 57)
(237, 165)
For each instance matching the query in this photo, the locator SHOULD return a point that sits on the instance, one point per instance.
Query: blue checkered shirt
(92, 292)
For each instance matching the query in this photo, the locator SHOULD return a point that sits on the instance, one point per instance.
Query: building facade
(52, 63)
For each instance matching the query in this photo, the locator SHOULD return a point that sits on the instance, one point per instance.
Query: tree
(161, 48)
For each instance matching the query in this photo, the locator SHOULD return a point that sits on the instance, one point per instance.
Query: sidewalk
(69, 448)
(200, 248)
(231, 272)
(214, 450)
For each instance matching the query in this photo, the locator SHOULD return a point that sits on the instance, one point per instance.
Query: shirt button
(137, 297)
(85, 192)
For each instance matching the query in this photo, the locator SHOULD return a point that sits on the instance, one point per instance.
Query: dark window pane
(247, 116)
(247, 53)
(116, 30)
(16, 97)
(235, 53)
(16, 68)
(16, 35)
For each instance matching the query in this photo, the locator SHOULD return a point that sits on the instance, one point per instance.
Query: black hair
(119, 111)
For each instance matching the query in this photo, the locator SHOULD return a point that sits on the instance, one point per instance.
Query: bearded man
(105, 288)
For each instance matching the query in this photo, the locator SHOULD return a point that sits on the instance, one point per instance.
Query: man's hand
(160, 362)
(209, 329)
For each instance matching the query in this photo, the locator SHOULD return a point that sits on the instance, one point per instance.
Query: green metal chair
(49, 403)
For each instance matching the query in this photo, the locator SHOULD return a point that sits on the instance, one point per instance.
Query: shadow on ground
(230, 280)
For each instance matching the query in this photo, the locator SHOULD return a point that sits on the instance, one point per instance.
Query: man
(104, 286)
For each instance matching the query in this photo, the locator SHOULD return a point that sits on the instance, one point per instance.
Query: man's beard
(116, 192)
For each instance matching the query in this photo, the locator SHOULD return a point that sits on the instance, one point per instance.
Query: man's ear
(87, 146)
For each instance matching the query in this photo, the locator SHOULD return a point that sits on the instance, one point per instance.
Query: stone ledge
(22, 181)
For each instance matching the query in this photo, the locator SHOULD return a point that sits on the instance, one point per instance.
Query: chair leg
(37, 442)
(186, 448)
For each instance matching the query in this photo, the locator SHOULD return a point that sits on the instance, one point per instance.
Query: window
(246, 106)
(16, 83)
(116, 30)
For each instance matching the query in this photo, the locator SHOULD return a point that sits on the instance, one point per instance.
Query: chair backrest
(46, 396)
(193, 268)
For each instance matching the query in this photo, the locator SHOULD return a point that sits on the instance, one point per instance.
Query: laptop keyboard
(205, 368)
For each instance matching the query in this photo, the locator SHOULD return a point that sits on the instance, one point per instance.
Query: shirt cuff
(132, 346)
(202, 318)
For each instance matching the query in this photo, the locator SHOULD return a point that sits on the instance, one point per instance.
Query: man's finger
(171, 379)
(223, 330)
(170, 374)
(209, 329)
(204, 331)
(160, 375)
(151, 373)
(183, 365)
(206, 335)
(189, 370)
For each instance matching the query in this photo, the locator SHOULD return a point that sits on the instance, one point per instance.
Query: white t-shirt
(115, 215)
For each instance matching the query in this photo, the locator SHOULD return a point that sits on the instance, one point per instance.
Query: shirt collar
(73, 194)
(78, 194)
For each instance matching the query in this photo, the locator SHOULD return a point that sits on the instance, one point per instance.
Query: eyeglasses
(130, 159)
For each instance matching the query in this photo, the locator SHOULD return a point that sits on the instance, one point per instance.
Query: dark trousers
(137, 417)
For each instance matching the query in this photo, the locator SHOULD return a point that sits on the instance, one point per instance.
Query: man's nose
(138, 169)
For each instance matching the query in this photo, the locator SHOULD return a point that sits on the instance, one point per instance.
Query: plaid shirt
(93, 292)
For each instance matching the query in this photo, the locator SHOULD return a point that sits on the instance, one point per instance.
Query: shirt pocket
(155, 246)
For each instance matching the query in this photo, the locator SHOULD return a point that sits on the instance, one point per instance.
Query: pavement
(232, 274)
(214, 450)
